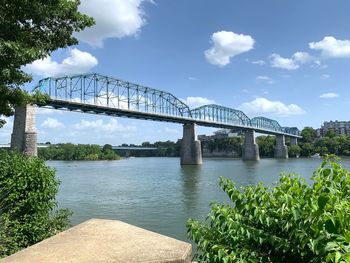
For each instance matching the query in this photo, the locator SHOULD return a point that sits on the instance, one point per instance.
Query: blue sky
(287, 60)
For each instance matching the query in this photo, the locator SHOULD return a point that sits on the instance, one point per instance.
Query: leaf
(322, 201)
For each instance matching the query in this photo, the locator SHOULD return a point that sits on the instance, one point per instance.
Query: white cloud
(77, 62)
(104, 127)
(258, 62)
(329, 95)
(52, 123)
(325, 76)
(302, 57)
(227, 44)
(114, 19)
(284, 63)
(265, 79)
(194, 102)
(192, 78)
(263, 105)
(331, 47)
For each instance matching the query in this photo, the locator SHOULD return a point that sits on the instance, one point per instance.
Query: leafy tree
(266, 145)
(291, 222)
(29, 213)
(294, 150)
(307, 149)
(308, 134)
(330, 133)
(31, 30)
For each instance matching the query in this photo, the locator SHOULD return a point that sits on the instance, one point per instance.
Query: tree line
(69, 151)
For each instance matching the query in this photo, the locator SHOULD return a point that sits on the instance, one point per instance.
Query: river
(157, 193)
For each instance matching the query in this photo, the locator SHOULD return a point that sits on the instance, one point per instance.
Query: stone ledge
(107, 241)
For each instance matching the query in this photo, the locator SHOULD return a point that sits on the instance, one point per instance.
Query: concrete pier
(24, 136)
(102, 241)
(190, 152)
(281, 150)
(250, 151)
(293, 141)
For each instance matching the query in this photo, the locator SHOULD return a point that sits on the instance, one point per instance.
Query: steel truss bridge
(97, 94)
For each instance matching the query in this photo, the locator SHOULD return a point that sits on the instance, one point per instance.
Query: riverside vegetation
(69, 151)
(28, 211)
(290, 222)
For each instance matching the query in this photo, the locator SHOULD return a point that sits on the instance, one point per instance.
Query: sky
(283, 59)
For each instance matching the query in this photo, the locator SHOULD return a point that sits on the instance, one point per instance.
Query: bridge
(98, 94)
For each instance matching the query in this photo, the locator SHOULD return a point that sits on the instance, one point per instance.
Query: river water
(157, 193)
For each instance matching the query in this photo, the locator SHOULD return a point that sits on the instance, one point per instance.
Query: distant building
(339, 127)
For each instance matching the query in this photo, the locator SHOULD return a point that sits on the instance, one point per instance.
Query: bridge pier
(281, 150)
(293, 141)
(190, 152)
(250, 148)
(24, 136)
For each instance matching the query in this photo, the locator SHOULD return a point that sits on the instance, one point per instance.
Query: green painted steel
(95, 93)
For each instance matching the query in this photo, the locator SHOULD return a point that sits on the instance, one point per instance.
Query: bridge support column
(250, 148)
(293, 141)
(190, 147)
(24, 137)
(281, 150)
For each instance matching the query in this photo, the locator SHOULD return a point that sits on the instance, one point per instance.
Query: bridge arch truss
(98, 90)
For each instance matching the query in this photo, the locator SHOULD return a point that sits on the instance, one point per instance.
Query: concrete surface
(107, 241)
(190, 152)
(250, 151)
(281, 149)
(24, 137)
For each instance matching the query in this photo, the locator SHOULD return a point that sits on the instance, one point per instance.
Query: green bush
(290, 222)
(28, 208)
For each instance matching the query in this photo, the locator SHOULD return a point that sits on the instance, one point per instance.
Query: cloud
(284, 63)
(52, 123)
(325, 76)
(101, 126)
(265, 79)
(331, 47)
(302, 57)
(293, 63)
(258, 62)
(227, 44)
(194, 102)
(329, 95)
(263, 105)
(77, 62)
(192, 78)
(114, 19)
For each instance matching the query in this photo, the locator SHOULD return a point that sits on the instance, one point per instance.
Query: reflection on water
(157, 193)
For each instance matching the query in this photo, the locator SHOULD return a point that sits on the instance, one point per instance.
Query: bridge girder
(217, 113)
(100, 90)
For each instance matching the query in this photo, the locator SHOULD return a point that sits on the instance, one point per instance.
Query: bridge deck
(98, 109)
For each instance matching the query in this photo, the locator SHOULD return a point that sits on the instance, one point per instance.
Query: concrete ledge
(107, 241)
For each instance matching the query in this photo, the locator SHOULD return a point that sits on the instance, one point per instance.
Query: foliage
(230, 144)
(294, 150)
(291, 222)
(308, 134)
(29, 213)
(31, 30)
(69, 151)
(267, 145)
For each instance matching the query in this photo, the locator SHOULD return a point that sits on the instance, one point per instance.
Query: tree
(266, 145)
(31, 30)
(294, 150)
(290, 222)
(28, 211)
(308, 134)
